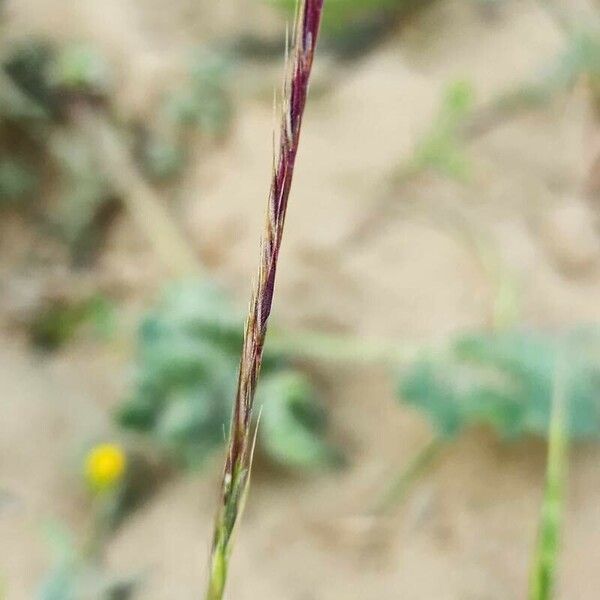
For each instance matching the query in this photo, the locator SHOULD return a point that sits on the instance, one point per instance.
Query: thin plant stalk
(543, 571)
(241, 435)
(402, 482)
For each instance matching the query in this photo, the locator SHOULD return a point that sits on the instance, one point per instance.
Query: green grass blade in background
(400, 485)
(543, 572)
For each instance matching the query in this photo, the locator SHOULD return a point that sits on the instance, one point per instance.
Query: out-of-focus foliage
(117, 482)
(40, 87)
(293, 423)
(189, 349)
(37, 83)
(202, 104)
(581, 57)
(75, 575)
(442, 148)
(84, 189)
(17, 181)
(505, 380)
(78, 67)
(24, 70)
(59, 321)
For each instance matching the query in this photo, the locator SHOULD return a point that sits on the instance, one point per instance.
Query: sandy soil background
(468, 528)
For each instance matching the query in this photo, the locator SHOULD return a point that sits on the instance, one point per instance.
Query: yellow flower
(104, 466)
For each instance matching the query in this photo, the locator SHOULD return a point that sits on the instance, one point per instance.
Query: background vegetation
(434, 352)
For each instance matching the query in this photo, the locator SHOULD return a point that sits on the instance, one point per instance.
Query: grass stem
(543, 572)
(399, 486)
(238, 463)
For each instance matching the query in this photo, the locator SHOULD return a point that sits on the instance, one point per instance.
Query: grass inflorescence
(239, 454)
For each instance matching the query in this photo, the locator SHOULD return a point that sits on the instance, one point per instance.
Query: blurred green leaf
(79, 67)
(580, 57)
(17, 181)
(210, 75)
(292, 424)
(504, 380)
(200, 104)
(15, 104)
(188, 356)
(84, 191)
(162, 158)
(57, 322)
(203, 101)
(27, 69)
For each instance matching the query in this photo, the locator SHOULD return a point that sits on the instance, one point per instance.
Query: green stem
(505, 300)
(218, 571)
(99, 527)
(397, 490)
(543, 572)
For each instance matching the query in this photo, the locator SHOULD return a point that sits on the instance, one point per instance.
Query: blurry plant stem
(504, 314)
(143, 204)
(11, 95)
(505, 309)
(98, 528)
(543, 572)
(401, 483)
